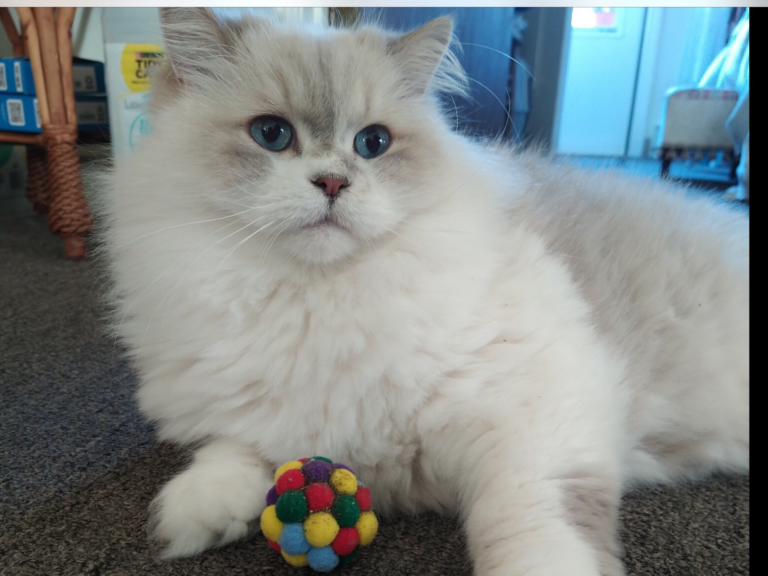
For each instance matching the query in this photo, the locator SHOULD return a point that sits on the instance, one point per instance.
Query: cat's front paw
(215, 501)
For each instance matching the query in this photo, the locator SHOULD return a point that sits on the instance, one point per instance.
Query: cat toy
(318, 514)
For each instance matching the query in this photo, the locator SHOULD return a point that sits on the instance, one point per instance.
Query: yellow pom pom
(320, 529)
(344, 481)
(297, 560)
(292, 465)
(367, 526)
(271, 527)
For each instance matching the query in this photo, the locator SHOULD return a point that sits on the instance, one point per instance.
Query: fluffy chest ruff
(330, 362)
(370, 362)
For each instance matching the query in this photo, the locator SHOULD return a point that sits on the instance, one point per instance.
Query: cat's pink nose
(331, 186)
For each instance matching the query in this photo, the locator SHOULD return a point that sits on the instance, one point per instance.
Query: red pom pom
(290, 480)
(319, 496)
(346, 541)
(274, 545)
(302, 460)
(363, 498)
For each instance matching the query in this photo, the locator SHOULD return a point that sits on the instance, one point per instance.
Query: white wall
(87, 38)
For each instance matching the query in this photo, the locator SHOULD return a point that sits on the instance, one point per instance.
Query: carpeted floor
(78, 466)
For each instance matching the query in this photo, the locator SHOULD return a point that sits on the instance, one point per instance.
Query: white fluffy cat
(308, 260)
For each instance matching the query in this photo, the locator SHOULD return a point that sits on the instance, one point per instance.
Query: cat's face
(321, 141)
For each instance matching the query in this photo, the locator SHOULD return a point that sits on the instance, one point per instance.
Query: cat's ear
(425, 57)
(196, 42)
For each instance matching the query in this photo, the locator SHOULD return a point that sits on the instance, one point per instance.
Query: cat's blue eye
(272, 132)
(372, 141)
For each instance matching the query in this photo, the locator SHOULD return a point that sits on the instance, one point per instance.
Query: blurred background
(591, 84)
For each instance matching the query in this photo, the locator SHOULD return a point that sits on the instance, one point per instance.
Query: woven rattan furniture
(54, 185)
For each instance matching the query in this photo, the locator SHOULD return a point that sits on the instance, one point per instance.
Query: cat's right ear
(426, 59)
(196, 42)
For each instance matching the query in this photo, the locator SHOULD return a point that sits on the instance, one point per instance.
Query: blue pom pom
(322, 559)
(292, 540)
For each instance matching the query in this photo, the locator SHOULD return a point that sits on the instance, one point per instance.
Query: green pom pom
(344, 560)
(346, 511)
(323, 458)
(291, 507)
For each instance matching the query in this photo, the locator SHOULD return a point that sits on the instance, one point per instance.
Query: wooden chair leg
(69, 215)
(54, 183)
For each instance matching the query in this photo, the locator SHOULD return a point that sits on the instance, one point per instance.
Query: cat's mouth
(327, 221)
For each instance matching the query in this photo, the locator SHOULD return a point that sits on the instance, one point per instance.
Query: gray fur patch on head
(592, 502)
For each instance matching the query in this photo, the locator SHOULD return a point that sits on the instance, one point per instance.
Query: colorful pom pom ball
(318, 514)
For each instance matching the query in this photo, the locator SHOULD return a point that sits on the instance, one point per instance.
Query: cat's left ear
(421, 54)
(196, 42)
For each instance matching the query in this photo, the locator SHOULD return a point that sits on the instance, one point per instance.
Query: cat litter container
(132, 45)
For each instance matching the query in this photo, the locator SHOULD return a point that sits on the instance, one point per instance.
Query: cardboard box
(20, 113)
(92, 113)
(16, 76)
(88, 77)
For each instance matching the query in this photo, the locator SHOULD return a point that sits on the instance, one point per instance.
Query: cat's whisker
(507, 56)
(440, 231)
(456, 110)
(243, 242)
(431, 213)
(283, 227)
(236, 203)
(246, 186)
(403, 237)
(509, 121)
(260, 195)
(181, 225)
(170, 293)
(564, 255)
(165, 271)
(169, 296)
(370, 243)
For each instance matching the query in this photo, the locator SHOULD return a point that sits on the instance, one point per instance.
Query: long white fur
(487, 326)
